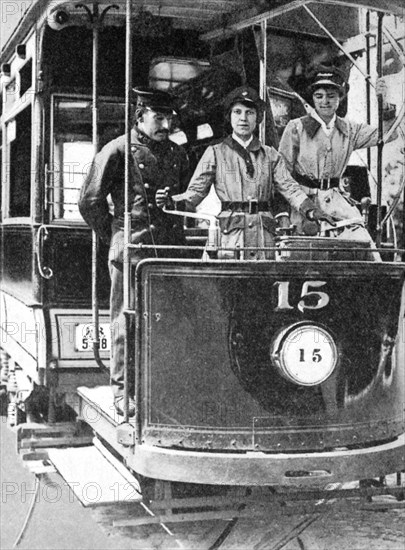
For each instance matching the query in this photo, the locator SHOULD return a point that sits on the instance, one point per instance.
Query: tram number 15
(316, 356)
(310, 298)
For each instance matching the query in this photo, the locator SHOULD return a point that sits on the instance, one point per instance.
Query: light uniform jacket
(223, 166)
(153, 165)
(307, 150)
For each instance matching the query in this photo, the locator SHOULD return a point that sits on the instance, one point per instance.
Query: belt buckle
(253, 210)
(325, 184)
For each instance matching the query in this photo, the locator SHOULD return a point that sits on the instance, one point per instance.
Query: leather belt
(249, 207)
(322, 184)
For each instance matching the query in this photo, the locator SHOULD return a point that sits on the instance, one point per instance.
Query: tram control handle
(169, 207)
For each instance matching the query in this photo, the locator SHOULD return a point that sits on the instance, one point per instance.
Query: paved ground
(59, 521)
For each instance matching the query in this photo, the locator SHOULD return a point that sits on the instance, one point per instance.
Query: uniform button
(329, 149)
(225, 231)
(146, 185)
(152, 227)
(174, 165)
(141, 166)
(150, 205)
(251, 224)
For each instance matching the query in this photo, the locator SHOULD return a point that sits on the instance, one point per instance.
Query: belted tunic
(247, 177)
(308, 151)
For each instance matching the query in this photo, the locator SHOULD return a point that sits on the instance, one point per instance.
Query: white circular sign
(305, 354)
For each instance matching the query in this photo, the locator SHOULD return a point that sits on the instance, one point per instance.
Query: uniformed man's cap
(328, 77)
(157, 100)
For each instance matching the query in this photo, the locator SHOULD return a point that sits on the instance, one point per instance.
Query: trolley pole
(380, 142)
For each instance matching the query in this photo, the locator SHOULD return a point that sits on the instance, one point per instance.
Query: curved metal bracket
(42, 235)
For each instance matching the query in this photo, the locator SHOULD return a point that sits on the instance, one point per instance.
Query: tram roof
(214, 18)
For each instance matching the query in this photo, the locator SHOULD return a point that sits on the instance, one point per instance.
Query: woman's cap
(247, 96)
(328, 77)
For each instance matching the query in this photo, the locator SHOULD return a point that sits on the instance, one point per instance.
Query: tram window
(26, 77)
(73, 148)
(166, 73)
(72, 157)
(19, 142)
(11, 94)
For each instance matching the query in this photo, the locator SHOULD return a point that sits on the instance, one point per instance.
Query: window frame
(7, 219)
(52, 173)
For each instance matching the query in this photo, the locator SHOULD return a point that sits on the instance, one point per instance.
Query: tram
(250, 373)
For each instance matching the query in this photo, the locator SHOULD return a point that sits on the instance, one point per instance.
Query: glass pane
(73, 148)
(77, 157)
(19, 140)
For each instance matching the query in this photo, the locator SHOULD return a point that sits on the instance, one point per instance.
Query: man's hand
(163, 198)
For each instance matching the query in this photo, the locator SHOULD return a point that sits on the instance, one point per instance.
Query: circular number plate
(305, 354)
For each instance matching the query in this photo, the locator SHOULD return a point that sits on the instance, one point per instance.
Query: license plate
(84, 336)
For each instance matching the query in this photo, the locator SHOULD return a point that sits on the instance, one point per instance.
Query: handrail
(42, 235)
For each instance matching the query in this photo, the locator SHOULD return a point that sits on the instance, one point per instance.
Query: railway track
(259, 521)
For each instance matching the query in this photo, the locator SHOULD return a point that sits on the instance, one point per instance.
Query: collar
(254, 145)
(326, 127)
(140, 138)
(244, 144)
(311, 125)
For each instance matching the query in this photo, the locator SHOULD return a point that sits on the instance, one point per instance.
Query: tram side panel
(46, 323)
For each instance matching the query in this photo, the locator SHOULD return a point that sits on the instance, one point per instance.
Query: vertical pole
(127, 214)
(95, 77)
(380, 143)
(368, 87)
(263, 76)
(94, 273)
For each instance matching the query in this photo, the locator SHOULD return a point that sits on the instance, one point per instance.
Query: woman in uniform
(245, 174)
(317, 148)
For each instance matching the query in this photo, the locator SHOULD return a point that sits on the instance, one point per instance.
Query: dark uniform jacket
(153, 165)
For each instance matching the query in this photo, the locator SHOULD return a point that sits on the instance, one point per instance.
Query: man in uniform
(155, 163)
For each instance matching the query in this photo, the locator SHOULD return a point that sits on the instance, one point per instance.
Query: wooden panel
(94, 479)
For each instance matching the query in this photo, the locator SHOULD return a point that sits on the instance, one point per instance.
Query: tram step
(97, 403)
(63, 434)
(95, 475)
